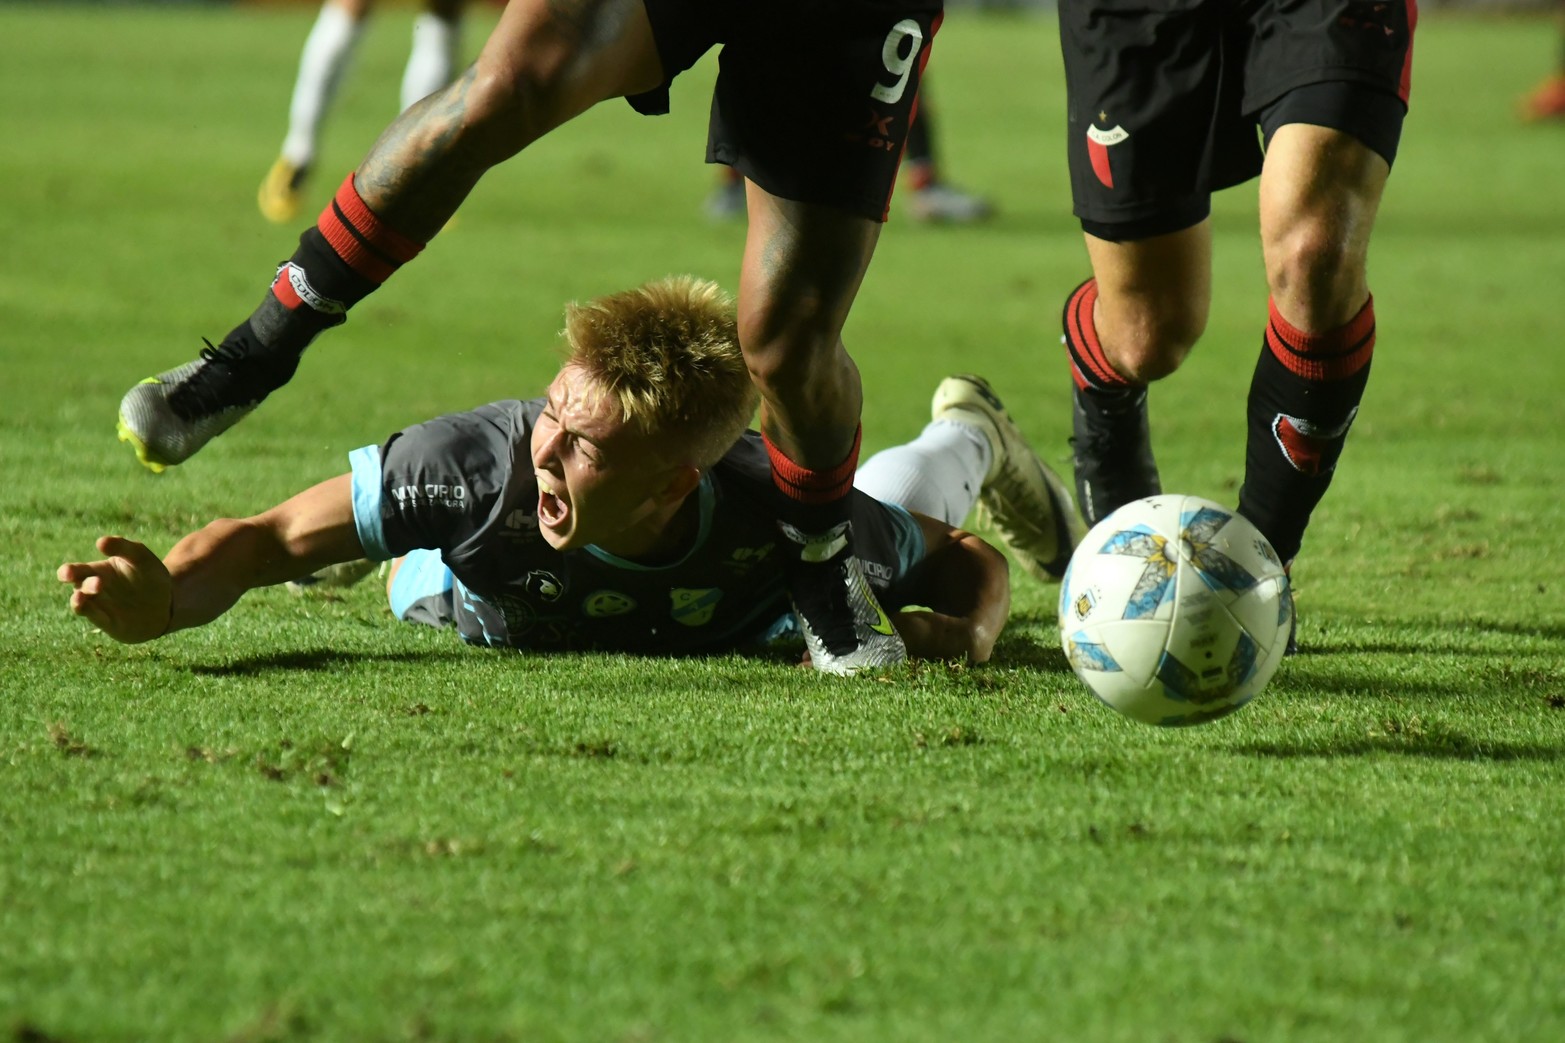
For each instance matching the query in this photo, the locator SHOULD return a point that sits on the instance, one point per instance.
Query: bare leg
(802, 268)
(1320, 191)
(546, 62)
(1153, 299)
(1132, 323)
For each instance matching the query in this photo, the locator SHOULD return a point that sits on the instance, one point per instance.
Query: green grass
(304, 822)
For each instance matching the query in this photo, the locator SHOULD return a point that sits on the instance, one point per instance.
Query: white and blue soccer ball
(1175, 610)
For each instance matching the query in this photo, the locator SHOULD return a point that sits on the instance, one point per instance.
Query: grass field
(304, 822)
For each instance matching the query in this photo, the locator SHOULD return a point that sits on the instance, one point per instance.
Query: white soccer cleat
(1027, 504)
(845, 629)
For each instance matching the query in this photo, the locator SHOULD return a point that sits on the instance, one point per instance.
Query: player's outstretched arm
(133, 596)
(966, 586)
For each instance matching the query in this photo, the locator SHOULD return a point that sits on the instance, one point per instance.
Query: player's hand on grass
(128, 595)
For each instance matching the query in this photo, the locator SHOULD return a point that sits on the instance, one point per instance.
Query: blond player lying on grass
(629, 510)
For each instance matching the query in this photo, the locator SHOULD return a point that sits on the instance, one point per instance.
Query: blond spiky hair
(668, 354)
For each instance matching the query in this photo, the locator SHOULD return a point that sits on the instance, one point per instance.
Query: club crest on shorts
(1098, 144)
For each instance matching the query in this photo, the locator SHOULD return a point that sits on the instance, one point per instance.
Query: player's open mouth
(552, 510)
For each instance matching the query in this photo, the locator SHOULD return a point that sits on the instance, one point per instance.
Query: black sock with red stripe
(343, 259)
(1303, 397)
(814, 501)
(1090, 367)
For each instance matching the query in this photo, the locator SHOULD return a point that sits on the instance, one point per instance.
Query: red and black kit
(814, 98)
(1169, 103)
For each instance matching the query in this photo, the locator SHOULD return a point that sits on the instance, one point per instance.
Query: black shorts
(813, 98)
(1166, 106)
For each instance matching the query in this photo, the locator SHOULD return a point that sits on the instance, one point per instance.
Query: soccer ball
(1175, 610)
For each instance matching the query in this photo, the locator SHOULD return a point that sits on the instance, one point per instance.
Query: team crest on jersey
(543, 585)
(693, 606)
(1309, 448)
(606, 603)
(1098, 144)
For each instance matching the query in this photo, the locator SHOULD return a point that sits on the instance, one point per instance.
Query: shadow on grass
(1029, 649)
(1321, 680)
(320, 659)
(1426, 637)
(1436, 745)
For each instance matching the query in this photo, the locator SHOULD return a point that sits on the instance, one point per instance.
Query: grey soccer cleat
(168, 418)
(333, 577)
(1025, 502)
(845, 629)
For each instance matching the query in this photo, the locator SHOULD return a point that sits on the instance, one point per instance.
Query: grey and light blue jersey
(462, 487)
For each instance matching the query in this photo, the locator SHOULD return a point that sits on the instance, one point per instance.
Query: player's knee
(1316, 272)
(1153, 343)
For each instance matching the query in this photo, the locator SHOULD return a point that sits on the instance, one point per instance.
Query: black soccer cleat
(1112, 447)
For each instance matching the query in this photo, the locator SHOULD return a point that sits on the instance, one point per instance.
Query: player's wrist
(168, 621)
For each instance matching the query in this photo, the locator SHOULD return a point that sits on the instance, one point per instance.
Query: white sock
(432, 61)
(940, 473)
(326, 53)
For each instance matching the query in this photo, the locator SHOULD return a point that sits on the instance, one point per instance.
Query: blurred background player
(1546, 101)
(818, 176)
(1153, 131)
(628, 509)
(930, 197)
(328, 50)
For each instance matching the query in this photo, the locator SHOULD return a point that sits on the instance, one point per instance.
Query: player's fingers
(76, 571)
(92, 611)
(119, 547)
(91, 585)
(84, 604)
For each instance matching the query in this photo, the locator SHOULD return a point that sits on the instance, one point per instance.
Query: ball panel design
(1174, 610)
